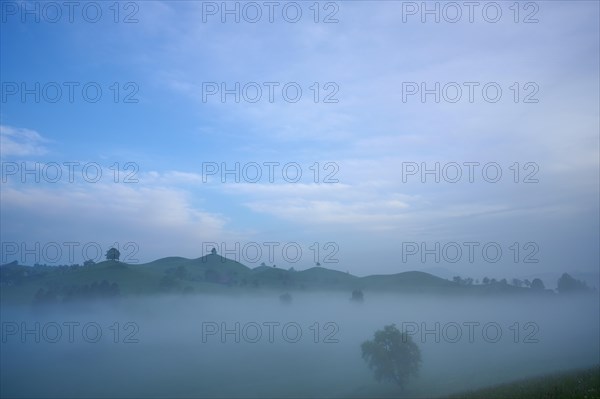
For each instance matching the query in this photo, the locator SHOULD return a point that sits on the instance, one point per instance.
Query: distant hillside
(211, 273)
(410, 282)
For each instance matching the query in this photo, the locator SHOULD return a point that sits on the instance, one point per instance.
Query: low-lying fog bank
(216, 346)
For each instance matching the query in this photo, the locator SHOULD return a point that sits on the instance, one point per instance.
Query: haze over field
(176, 356)
(375, 198)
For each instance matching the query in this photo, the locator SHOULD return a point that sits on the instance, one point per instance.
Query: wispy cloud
(368, 134)
(21, 142)
(161, 220)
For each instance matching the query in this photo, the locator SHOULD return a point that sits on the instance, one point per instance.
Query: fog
(176, 346)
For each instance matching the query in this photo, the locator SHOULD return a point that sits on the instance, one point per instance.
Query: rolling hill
(211, 273)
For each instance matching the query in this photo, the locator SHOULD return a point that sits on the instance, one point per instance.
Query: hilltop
(212, 273)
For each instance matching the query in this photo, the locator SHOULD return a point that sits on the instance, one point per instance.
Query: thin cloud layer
(20, 142)
(371, 132)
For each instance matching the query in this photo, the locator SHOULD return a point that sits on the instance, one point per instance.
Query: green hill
(414, 282)
(321, 278)
(211, 273)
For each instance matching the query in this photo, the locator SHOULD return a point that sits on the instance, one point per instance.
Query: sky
(363, 135)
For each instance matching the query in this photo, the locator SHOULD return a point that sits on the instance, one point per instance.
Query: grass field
(573, 384)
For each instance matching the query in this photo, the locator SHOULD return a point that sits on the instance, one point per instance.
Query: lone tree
(392, 355)
(357, 295)
(113, 254)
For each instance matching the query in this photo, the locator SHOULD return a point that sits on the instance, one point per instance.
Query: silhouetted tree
(462, 281)
(357, 295)
(567, 284)
(113, 254)
(516, 282)
(392, 355)
(537, 284)
(485, 281)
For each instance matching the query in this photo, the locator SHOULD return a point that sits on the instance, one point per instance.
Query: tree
(357, 296)
(567, 284)
(113, 254)
(392, 355)
(486, 281)
(516, 282)
(285, 298)
(537, 284)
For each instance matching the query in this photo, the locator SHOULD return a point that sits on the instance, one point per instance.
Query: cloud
(21, 142)
(171, 178)
(378, 215)
(162, 221)
(361, 205)
(369, 133)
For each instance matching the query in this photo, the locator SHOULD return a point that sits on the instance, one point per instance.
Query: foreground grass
(573, 384)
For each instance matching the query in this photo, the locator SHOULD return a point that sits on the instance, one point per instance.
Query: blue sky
(165, 59)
